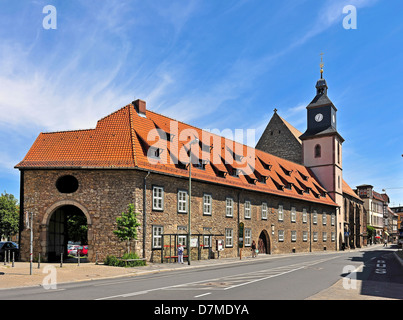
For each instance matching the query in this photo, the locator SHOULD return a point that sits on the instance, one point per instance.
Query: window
(293, 236)
(158, 198)
(280, 235)
(293, 214)
(157, 236)
(154, 153)
(182, 201)
(248, 237)
(229, 207)
(314, 217)
(280, 213)
(228, 238)
(207, 204)
(304, 216)
(264, 211)
(324, 218)
(315, 236)
(182, 237)
(67, 184)
(332, 219)
(247, 209)
(318, 151)
(324, 235)
(207, 237)
(305, 236)
(201, 164)
(333, 235)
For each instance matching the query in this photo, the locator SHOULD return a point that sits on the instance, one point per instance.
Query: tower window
(318, 151)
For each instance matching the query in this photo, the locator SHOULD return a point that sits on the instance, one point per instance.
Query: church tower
(322, 144)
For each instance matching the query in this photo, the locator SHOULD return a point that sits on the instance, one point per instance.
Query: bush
(120, 262)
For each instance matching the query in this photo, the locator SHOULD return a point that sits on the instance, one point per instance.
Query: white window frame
(158, 198)
(229, 207)
(293, 214)
(264, 211)
(293, 235)
(248, 237)
(182, 201)
(280, 212)
(281, 235)
(247, 209)
(207, 204)
(158, 231)
(229, 242)
(305, 236)
(304, 216)
(333, 235)
(315, 217)
(324, 218)
(324, 236)
(332, 219)
(315, 236)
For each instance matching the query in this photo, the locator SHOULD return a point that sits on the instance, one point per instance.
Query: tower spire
(321, 65)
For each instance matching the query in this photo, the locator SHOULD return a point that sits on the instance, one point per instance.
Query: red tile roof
(123, 139)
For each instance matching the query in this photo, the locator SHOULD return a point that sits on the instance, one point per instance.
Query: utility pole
(31, 241)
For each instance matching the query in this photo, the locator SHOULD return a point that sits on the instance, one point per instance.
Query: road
(292, 277)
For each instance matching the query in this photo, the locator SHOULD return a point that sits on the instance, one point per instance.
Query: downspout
(310, 228)
(145, 214)
(21, 226)
(238, 213)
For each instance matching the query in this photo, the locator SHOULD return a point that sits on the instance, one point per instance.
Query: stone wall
(104, 194)
(279, 141)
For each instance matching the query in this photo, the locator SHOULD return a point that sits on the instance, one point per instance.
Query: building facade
(238, 194)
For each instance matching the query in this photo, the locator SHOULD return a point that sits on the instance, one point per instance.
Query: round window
(67, 184)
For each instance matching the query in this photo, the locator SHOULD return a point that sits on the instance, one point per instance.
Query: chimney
(140, 106)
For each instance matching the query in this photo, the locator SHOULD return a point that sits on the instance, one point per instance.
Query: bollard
(12, 265)
(39, 260)
(61, 260)
(5, 257)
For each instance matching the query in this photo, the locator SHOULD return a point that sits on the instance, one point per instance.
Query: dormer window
(154, 152)
(201, 164)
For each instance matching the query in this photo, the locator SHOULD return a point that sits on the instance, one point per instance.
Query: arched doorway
(67, 224)
(264, 242)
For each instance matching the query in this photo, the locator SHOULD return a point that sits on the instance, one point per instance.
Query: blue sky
(213, 64)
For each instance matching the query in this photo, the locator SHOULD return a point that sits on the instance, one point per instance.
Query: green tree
(9, 216)
(127, 226)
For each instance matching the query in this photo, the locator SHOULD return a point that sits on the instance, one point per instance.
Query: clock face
(319, 117)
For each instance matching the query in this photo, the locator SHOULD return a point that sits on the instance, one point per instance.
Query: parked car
(72, 250)
(83, 250)
(9, 246)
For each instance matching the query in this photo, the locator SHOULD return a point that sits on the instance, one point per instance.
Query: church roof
(127, 140)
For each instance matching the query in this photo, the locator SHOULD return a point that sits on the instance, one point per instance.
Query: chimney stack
(140, 106)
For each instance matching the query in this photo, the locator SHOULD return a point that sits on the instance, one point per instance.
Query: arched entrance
(67, 224)
(264, 242)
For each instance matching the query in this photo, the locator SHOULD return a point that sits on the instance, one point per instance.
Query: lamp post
(190, 196)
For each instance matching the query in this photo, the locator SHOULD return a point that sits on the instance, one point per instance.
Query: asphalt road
(285, 278)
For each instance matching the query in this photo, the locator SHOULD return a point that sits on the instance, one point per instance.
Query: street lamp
(190, 194)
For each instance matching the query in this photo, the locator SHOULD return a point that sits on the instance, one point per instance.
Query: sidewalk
(19, 275)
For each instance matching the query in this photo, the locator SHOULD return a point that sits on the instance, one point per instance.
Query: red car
(83, 250)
